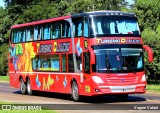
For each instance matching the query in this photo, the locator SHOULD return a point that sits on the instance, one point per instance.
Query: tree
(3, 58)
(148, 13)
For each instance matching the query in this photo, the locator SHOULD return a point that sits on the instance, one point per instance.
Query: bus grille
(116, 80)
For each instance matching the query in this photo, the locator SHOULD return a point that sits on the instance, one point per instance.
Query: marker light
(97, 79)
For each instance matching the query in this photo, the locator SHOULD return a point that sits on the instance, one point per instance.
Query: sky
(2, 3)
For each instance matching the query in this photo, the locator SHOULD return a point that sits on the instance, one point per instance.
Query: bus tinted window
(114, 25)
(66, 31)
(46, 32)
(64, 63)
(22, 35)
(70, 63)
(55, 30)
(15, 36)
(46, 63)
(77, 27)
(30, 34)
(85, 28)
(79, 62)
(37, 32)
(86, 62)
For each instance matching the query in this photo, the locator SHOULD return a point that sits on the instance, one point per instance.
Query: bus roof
(39, 22)
(104, 12)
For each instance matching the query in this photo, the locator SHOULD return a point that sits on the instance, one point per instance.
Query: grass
(4, 78)
(154, 88)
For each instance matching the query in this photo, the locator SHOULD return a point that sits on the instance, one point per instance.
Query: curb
(4, 81)
(149, 92)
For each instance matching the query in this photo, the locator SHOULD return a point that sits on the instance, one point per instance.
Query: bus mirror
(150, 52)
(92, 56)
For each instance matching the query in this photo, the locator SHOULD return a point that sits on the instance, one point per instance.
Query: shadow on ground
(94, 99)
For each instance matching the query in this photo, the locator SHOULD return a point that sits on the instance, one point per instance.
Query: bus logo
(122, 79)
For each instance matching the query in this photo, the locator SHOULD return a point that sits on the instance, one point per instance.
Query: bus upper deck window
(65, 29)
(37, 33)
(46, 32)
(22, 35)
(85, 28)
(77, 26)
(55, 31)
(29, 34)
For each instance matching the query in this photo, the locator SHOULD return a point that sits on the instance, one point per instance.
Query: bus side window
(85, 28)
(86, 62)
(46, 31)
(55, 30)
(79, 62)
(77, 27)
(37, 33)
(30, 34)
(65, 29)
(22, 35)
(80, 29)
(55, 63)
(34, 63)
(64, 63)
(70, 63)
(16, 36)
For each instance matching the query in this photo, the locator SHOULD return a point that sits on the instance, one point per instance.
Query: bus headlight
(143, 79)
(97, 79)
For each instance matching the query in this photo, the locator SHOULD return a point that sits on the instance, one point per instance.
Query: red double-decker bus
(89, 54)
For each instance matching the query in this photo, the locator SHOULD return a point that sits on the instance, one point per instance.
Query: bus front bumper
(127, 89)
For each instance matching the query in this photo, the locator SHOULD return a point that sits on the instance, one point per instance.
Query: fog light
(97, 90)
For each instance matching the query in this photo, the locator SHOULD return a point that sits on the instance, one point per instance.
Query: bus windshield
(115, 60)
(114, 26)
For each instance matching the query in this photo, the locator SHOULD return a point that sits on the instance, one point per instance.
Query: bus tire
(29, 90)
(23, 87)
(75, 91)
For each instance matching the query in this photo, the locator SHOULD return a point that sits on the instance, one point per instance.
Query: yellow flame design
(25, 64)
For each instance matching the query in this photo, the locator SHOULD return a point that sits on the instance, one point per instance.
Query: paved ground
(105, 104)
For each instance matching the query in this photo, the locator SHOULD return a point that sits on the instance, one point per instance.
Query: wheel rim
(28, 87)
(22, 86)
(75, 91)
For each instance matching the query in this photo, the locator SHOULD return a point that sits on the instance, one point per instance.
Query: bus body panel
(52, 64)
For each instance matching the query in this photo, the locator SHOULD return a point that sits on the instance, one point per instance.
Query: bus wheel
(29, 90)
(22, 86)
(75, 93)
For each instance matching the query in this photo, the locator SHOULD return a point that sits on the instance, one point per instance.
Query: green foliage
(152, 39)
(149, 20)
(3, 58)
(148, 13)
